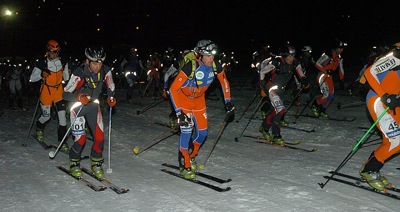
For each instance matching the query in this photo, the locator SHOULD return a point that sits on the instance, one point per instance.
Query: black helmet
(95, 54)
(339, 44)
(206, 47)
(287, 50)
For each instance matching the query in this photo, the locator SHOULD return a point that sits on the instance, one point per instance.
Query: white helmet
(306, 49)
(206, 47)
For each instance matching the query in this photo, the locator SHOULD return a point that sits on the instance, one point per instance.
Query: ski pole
(221, 130)
(109, 170)
(251, 117)
(314, 94)
(138, 112)
(154, 141)
(147, 86)
(354, 150)
(24, 144)
(248, 105)
(52, 154)
(293, 101)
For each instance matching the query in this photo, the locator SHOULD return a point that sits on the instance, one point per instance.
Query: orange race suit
(326, 65)
(187, 93)
(51, 91)
(384, 78)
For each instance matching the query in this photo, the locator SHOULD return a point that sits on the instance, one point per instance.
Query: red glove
(85, 99)
(111, 101)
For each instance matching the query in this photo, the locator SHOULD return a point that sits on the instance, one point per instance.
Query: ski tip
(315, 149)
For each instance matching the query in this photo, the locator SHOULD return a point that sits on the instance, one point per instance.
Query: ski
(264, 140)
(300, 129)
(106, 182)
(213, 187)
(42, 143)
(360, 180)
(287, 146)
(200, 174)
(350, 119)
(83, 180)
(368, 188)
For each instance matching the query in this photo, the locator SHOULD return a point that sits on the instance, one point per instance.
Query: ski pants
(388, 125)
(91, 114)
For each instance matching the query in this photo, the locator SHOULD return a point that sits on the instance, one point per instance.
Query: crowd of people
(71, 90)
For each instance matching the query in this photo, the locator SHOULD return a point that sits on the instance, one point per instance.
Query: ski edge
(199, 182)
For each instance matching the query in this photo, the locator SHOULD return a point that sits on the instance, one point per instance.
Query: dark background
(242, 26)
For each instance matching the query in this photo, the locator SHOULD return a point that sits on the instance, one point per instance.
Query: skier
(15, 78)
(383, 77)
(84, 89)
(131, 73)
(187, 93)
(327, 64)
(274, 77)
(52, 70)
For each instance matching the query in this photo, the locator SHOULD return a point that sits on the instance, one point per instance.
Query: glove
(304, 82)
(45, 73)
(83, 98)
(182, 119)
(165, 95)
(230, 112)
(392, 101)
(111, 101)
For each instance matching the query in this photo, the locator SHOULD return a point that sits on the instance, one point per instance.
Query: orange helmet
(53, 46)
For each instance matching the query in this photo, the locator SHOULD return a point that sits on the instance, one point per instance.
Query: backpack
(192, 57)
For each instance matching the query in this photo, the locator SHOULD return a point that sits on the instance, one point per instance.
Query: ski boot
(278, 140)
(40, 135)
(64, 147)
(323, 114)
(374, 179)
(265, 133)
(188, 173)
(284, 123)
(315, 111)
(263, 114)
(75, 168)
(193, 164)
(172, 122)
(97, 167)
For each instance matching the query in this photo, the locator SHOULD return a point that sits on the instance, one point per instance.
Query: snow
(264, 177)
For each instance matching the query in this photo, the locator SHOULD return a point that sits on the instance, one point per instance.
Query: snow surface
(264, 177)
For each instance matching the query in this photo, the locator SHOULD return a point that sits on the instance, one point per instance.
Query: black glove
(392, 101)
(230, 112)
(182, 119)
(304, 82)
(45, 73)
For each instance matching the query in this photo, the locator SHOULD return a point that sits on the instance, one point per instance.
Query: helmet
(133, 50)
(95, 54)
(339, 44)
(287, 50)
(306, 49)
(206, 47)
(52, 46)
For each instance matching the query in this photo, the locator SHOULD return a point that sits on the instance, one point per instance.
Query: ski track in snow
(264, 177)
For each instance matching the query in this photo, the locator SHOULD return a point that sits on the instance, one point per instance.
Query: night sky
(242, 26)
